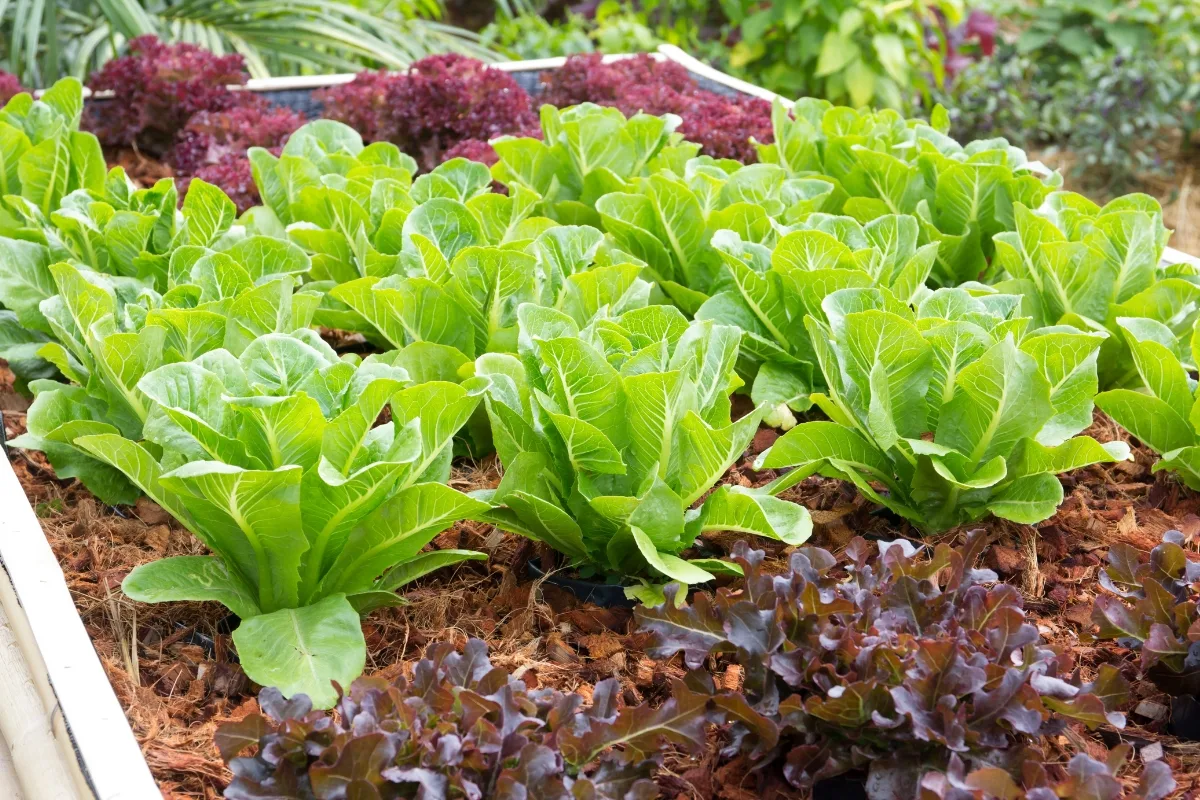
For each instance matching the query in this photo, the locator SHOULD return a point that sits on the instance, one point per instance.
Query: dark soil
(173, 671)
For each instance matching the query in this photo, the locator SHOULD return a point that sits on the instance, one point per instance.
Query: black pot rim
(605, 595)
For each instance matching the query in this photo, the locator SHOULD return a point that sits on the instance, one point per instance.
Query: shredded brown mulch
(172, 668)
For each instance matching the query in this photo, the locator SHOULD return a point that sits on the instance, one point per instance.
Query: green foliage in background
(1065, 31)
(846, 51)
(521, 31)
(1111, 83)
(40, 41)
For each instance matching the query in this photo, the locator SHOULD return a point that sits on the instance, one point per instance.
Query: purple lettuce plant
(892, 662)
(1085, 778)
(1152, 607)
(459, 728)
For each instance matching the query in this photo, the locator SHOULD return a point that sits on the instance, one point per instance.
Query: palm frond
(274, 36)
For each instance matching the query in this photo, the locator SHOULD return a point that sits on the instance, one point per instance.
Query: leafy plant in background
(1117, 117)
(610, 434)
(848, 51)
(10, 86)
(1064, 31)
(314, 514)
(470, 306)
(624, 27)
(42, 42)
(208, 137)
(160, 87)
(961, 195)
(438, 103)
(526, 34)
(724, 127)
(1114, 117)
(1107, 82)
(1164, 411)
(1006, 95)
(459, 728)
(768, 293)
(212, 147)
(173, 102)
(953, 409)
(586, 152)
(1152, 608)
(962, 45)
(859, 672)
(1078, 264)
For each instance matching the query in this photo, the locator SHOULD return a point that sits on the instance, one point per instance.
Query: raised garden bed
(89, 749)
(173, 670)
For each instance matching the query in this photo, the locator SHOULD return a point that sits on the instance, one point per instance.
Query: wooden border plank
(88, 722)
(698, 67)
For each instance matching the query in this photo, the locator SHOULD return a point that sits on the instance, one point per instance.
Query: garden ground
(172, 668)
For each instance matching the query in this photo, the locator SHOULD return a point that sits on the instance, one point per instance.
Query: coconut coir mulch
(172, 668)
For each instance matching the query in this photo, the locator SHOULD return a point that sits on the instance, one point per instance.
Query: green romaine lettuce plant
(325, 154)
(118, 230)
(313, 513)
(953, 409)
(609, 435)
(587, 151)
(43, 154)
(471, 305)
(62, 205)
(132, 235)
(362, 218)
(1164, 412)
(961, 194)
(768, 293)
(110, 331)
(1079, 264)
(668, 218)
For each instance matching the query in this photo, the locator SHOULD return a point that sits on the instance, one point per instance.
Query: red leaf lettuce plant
(725, 127)
(1085, 778)
(10, 86)
(1153, 608)
(459, 728)
(158, 88)
(439, 103)
(897, 668)
(213, 144)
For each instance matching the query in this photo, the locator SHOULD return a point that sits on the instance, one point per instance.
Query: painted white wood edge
(1173, 256)
(698, 67)
(31, 762)
(88, 722)
(8, 773)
